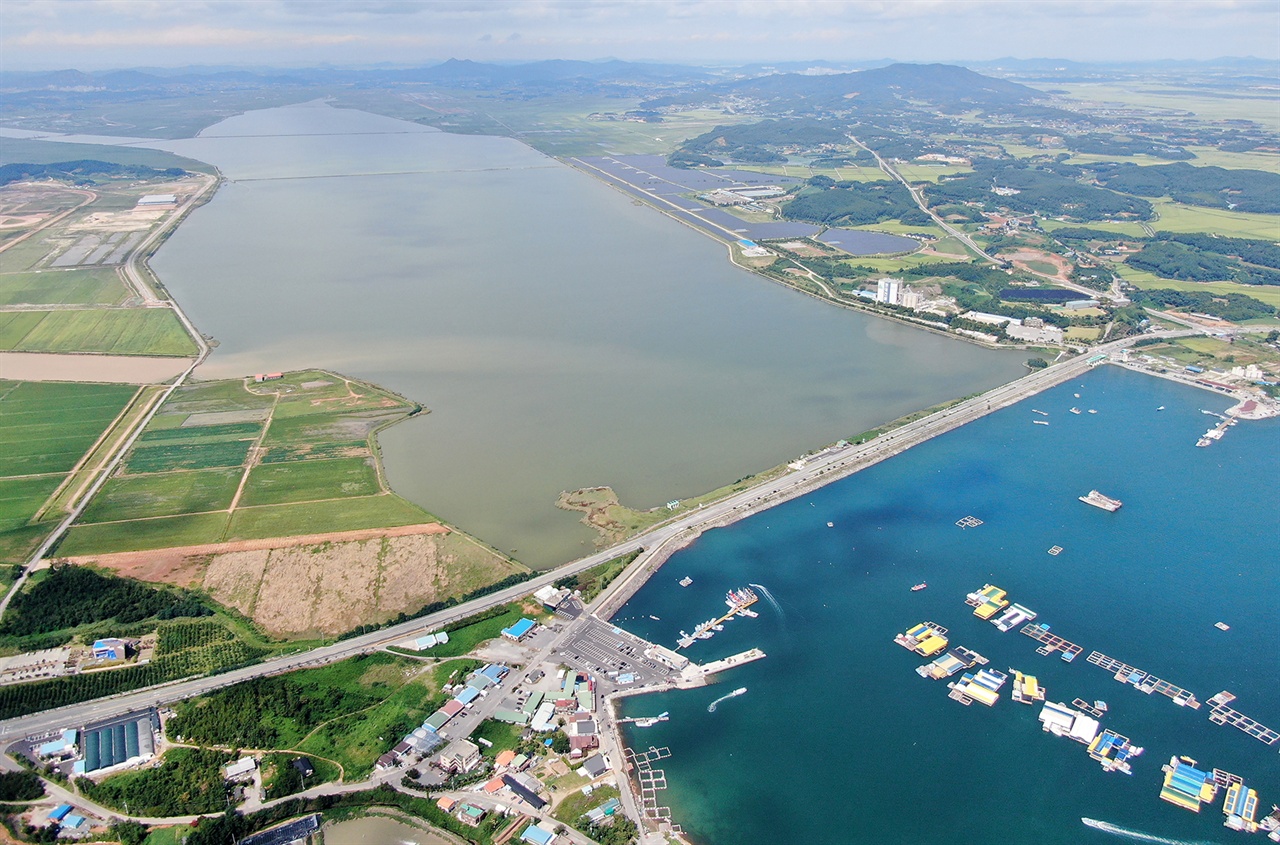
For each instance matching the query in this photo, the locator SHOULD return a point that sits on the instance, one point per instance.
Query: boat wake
(769, 596)
(711, 708)
(1138, 835)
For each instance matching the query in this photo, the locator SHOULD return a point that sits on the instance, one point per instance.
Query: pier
(1049, 643)
(699, 675)
(1221, 714)
(739, 602)
(1143, 681)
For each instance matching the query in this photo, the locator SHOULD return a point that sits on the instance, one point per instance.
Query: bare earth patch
(324, 584)
(1020, 258)
(123, 369)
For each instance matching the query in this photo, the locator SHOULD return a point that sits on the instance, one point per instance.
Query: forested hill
(946, 87)
(83, 171)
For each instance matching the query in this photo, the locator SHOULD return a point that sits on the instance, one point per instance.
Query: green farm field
(1269, 294)
(168, 494)
(383, 511)
(97, 286)
(138, 534)
(1176, 217)
(137, 331)
(47, 426)
(300, 481)
(314, 473)
(45, 430)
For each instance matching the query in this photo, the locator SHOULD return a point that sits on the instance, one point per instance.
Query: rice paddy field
(238, 459)
(46, 429)
(136, 331)
(93, 286)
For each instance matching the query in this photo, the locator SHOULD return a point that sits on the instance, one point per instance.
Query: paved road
(917, 194)
(830, 465)
(134, 278)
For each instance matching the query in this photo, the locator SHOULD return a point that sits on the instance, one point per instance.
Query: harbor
(895, 526)
(739, 602)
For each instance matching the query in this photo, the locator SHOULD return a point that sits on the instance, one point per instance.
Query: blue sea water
(838, 740)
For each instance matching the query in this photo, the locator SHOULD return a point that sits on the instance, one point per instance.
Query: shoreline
(833, 469)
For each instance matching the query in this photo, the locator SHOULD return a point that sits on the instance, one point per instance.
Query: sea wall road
(829, 465)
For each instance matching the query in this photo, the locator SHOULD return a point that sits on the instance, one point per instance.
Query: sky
(101, 34)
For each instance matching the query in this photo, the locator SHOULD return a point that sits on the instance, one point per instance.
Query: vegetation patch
(129, 331)
(94, 286)
(278, 712)
(593, 581)
(207, 651)
(185, 782)
(300, 481)
(169, 494)
(72, 596)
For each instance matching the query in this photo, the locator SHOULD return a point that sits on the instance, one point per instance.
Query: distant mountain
(538, 77)
(556, 72)
(947, 87)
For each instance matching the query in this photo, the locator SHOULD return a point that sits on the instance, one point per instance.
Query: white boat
(1161, 408)
(1040, 422)
(1075, 410)
(1092, 411)
(1100, 501)
(685, 581)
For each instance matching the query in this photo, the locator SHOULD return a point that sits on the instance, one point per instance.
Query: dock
(969, 522)
(1049, 643)
(1143, 681)
(1221, 714)
(739, 602)
(699, 675)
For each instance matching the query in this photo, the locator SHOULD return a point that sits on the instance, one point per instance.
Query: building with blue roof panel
(59, 812)
(519, 630)
(468, 695)
(495, 671)
(537, 835)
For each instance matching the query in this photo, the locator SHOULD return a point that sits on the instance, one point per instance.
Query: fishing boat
(1040, 422)
(831, 525)
(1100, 501)
(1093, 410)
(1222, 626)
(1161, 408)
(650, 721)
(918, 587)
(685, 581)
(1075, 410)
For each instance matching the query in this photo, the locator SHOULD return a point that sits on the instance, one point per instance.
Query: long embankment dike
(840, 462)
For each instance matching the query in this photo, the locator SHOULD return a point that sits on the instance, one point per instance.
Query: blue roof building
(59, 812)
(468, 695)
(112, 648)
(519, 630)
(537, 835)
(495, 672)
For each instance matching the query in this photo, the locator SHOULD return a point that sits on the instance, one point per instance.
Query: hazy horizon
(93, 35)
